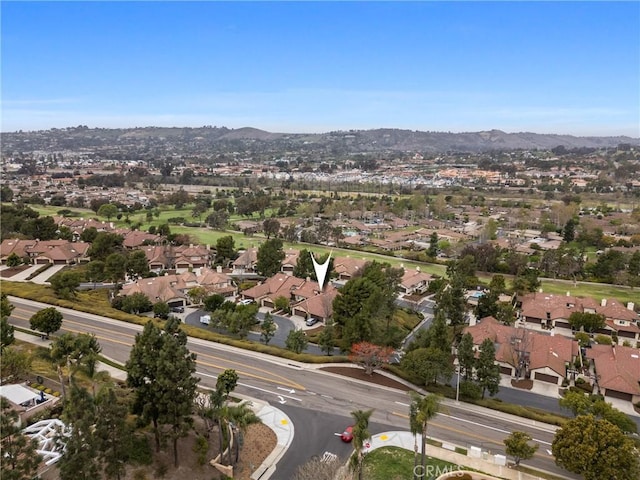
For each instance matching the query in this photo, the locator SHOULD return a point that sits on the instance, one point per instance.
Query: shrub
(470, 391)
(139, 475)
(48, 391)
(201, 447)
(139, 450)
(161, 469)
(56, 394)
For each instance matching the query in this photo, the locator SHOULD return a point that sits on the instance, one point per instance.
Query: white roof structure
(18, 394)
(48, 434)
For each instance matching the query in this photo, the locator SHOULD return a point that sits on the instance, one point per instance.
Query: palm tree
(360, 434)
(241, 416)
(421, 410)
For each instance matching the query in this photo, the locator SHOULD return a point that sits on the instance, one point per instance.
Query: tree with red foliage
(370, 356)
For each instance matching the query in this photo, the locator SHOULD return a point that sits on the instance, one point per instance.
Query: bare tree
(318, 468)
(520, 351)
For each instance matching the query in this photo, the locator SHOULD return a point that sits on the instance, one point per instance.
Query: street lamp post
(457, 364)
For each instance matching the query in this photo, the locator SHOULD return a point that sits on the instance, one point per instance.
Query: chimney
(418, 269)
(219, 269)
(631, 306)
(568, 294)
(603, 302)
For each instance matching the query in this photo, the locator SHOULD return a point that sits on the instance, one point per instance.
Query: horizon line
(461, 132)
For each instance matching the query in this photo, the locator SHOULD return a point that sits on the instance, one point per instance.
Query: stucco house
(524, 353)
(616, 371)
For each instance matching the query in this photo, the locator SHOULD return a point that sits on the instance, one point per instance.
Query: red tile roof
(618, 367)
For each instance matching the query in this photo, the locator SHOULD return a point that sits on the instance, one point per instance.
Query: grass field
(395, 463)
(208, 236)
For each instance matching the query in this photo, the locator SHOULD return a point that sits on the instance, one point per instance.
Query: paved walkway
(40, 279)
(23, 275)
(47, 274)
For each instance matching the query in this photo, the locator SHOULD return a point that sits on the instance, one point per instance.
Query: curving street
(318, 402)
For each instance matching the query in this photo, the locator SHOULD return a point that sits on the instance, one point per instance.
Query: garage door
(268, 303)
(543, 377)
(620, 395)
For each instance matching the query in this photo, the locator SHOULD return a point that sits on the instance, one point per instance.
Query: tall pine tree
(487, 372)
(79, 461)
(161, 371)
(111, 432)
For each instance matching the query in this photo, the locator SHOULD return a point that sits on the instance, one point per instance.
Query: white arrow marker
(320, 269)
(289, 390)
(282, 400)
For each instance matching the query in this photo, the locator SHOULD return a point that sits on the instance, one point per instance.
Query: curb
(282, 426)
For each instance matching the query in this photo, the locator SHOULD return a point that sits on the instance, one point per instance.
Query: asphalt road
(320, 403)
(284, 326)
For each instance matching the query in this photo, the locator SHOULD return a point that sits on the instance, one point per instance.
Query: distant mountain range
(351, 141)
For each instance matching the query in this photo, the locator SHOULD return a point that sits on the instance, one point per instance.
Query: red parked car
(347, 435)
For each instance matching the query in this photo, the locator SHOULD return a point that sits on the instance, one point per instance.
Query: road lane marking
(100, 337)
(242, 373)
(246, 385)
(267, 376)
(466, 433)
(508, 432)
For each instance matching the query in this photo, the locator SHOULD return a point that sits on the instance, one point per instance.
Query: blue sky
(544, 67)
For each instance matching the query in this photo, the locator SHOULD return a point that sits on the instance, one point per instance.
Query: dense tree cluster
(364, 308)
(596, 449)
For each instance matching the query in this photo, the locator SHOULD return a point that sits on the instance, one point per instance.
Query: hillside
(190, 140)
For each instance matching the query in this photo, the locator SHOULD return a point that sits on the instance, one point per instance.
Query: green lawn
(395, 463)
(596, 291)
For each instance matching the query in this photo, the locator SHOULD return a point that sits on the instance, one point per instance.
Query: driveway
(47, 274)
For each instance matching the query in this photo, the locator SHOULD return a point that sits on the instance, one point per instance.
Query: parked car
(347, 435)
(205, 319)
(312, 321)
(245, 301)
(177, 309)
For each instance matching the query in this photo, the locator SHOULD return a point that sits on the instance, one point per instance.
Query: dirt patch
(523, 384)
(258, 442)
(10, 272)
(376, 378)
